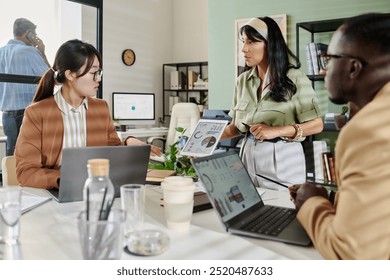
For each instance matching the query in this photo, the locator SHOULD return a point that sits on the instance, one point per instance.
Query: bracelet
(298, 132)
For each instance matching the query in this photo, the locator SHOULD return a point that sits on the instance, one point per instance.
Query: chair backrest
(185, 115)
(8, 167)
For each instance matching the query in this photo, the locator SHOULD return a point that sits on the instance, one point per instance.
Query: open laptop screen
(228, 183)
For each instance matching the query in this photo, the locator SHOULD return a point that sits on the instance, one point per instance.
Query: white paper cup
(178, 195)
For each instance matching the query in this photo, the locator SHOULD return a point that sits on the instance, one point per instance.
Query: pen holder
(102, 239)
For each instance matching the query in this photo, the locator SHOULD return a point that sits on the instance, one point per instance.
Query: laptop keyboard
(271, 221)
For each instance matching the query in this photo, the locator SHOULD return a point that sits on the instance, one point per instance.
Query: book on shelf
(178, 80)
(192, 78)
(316, 49)
(313, 156)
(172, 101)
(325, 165)
(309, 61)
(319, 147)
(309, 159)
(201, 85)
(329, 167)
(321, 49)
(332, 169)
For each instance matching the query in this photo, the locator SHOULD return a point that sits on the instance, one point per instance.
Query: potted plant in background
(341, 119)
(173, 160)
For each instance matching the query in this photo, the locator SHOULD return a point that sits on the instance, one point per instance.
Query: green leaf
(181, 164)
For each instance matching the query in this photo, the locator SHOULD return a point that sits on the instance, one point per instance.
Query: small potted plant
(174, 161)
(341, 119)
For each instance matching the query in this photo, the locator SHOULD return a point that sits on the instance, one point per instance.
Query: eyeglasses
(97, 76)
(325, 58)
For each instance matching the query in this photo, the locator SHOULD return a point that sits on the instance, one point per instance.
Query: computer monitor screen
(133, 108)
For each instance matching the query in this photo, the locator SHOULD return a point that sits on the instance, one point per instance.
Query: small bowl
(147, 243)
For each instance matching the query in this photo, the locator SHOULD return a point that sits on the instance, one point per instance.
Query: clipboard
(205, 138)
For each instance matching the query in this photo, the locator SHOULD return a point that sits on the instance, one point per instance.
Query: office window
(57, 22)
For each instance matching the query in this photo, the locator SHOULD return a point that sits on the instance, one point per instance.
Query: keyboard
(270, 222)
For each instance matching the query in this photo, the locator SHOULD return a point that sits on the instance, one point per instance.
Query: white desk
(50, 232)
(144, 132)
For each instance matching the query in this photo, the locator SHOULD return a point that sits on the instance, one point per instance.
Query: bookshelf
(314, 28)
(178, 85)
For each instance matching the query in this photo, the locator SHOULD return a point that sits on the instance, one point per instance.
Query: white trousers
(282, 161)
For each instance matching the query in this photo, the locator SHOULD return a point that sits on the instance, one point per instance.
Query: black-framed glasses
(97, 75)
(325, 59)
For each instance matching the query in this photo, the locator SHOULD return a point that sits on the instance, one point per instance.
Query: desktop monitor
(133, 109)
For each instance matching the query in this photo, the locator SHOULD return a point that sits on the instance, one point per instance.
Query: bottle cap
(99, 166)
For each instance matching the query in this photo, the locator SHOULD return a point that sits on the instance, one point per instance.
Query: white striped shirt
(75, 133)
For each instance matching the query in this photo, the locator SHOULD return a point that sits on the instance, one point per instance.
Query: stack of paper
(30, 201)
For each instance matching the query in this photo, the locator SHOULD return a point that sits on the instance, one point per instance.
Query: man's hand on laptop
(302, 192)
(154, 150)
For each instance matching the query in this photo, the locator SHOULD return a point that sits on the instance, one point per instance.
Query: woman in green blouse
(277, 102)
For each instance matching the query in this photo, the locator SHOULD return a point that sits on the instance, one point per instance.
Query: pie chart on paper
(208, 141)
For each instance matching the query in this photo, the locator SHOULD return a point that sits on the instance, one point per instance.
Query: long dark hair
(281, 87)
(72, 55)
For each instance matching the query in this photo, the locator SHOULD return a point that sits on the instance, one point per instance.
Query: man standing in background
(23, 55)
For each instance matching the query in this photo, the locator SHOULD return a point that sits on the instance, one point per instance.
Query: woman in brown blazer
(71, 117)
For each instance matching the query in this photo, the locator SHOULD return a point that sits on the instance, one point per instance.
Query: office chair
(8, 167)
(185, 115)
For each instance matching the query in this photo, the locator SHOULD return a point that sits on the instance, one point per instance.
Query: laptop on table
(239, 205)
(128, 164)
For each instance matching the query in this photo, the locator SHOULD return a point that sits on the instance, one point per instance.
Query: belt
(250, 136)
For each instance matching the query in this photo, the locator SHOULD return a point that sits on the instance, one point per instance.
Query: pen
(246, 125)
(276, 182)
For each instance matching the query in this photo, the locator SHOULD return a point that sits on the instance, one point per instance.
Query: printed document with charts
(205, 138)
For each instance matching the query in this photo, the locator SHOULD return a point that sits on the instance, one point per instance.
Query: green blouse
(247, 108)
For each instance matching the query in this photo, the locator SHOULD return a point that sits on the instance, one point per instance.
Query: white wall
(190, 30)
(158, 32)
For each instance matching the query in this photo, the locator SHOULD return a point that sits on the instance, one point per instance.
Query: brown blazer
(39, 145)
(358, 226)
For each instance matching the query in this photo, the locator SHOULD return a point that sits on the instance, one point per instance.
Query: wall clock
(128, 57)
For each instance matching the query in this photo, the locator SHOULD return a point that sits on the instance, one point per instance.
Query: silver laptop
(128, 164)
(239, 205)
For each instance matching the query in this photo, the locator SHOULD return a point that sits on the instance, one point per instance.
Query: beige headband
(259, 26)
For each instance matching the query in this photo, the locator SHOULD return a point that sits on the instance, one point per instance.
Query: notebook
(156, 176)
(238, 204)
(128, 164)
(205, 138)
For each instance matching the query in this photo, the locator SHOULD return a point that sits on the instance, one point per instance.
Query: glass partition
(58, 22)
